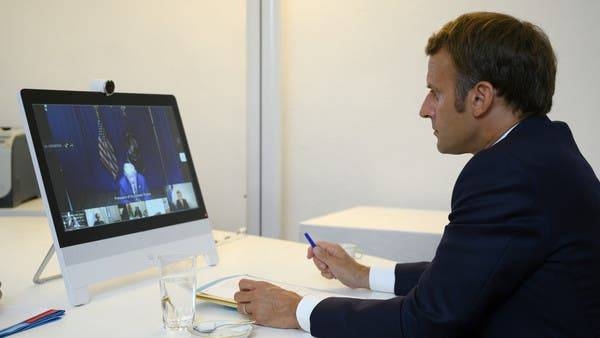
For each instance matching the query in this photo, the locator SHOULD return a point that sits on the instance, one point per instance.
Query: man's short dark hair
(515, 56)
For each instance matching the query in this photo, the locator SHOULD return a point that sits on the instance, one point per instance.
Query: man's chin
(440, 147)
(444, 149)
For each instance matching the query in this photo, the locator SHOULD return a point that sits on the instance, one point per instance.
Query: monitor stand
(77, 296)
(37, 279)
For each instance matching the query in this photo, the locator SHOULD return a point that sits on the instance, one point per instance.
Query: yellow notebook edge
(216, 299)
(229, 302)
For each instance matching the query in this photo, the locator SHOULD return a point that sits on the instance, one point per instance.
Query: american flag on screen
(106, 150)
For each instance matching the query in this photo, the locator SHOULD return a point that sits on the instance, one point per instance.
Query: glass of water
(177, 290)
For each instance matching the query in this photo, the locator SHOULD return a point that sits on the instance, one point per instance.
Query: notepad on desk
(221, 291)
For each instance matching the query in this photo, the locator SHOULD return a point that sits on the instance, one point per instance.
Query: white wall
(195, 50)
(353, 81)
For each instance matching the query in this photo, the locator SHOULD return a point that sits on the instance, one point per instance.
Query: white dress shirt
(133, 184)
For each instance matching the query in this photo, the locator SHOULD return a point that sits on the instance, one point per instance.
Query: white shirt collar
(505, 134)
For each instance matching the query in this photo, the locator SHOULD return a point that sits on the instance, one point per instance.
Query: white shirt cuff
(382, 279)
(305, 308)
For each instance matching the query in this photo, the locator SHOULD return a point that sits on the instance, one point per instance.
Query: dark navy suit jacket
(520, 257)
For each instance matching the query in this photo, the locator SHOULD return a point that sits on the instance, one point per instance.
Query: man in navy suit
(132, 185)
(181, 203)
(521, 254)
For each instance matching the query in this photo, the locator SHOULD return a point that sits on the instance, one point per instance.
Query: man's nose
(427, 108)
(425, 111)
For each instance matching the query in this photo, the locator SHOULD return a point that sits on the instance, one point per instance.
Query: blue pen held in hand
(310, 240)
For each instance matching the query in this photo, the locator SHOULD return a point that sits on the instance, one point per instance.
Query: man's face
(455, 131)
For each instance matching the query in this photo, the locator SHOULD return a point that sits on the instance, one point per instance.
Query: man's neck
(498, 126)
(502, 134)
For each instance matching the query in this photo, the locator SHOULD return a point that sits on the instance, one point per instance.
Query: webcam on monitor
(103, 86)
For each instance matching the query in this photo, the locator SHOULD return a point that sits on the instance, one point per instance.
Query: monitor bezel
(31, 97)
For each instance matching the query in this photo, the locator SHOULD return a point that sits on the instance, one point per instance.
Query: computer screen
(117, 180)
(114, 168)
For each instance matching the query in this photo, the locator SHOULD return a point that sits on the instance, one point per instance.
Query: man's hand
(333, 262)
(268, 304)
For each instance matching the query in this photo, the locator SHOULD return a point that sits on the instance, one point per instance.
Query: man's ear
(481, 98)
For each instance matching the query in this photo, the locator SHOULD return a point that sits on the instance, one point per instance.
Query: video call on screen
(110, 164)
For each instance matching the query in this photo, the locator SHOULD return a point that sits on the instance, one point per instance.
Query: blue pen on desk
(41, 319)
(310, 240)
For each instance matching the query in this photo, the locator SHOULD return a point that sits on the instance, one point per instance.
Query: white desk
(402, 235)
(130, 306)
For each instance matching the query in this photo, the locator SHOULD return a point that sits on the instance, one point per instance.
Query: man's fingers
(247, 284)
(324, 244)
(309, 253)
(327, 274)
(244, 308)
(323, 255)
(327, 245)
(325, 251)
(320, 264)
(332, 249)
(243, 296)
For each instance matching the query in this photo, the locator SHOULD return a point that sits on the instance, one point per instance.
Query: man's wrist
(295, 323)
(366, 271)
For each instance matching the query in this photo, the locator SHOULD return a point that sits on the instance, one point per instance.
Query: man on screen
(137, 213)
(98, 220)
(132, 185)
(72, 221)
(181, 203)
